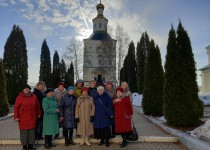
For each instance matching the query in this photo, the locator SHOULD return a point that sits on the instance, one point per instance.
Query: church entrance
(99, 81)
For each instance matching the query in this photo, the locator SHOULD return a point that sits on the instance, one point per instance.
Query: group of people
(98, 112)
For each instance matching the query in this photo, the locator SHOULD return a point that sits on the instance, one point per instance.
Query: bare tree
(122, 47)
(74, 53)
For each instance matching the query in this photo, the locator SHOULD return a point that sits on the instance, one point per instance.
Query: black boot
(124, 142)
(107, 143)
(71, 141)
(67, 141)
(50, 142)
(25, 147)
(47, 145)
(30, 147)
(101, 142)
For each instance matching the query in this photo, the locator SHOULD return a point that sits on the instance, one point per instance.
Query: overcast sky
(59, 20)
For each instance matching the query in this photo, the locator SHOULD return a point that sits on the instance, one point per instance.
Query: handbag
(133, 136)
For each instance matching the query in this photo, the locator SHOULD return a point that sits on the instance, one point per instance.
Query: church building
(99, 51)
(205, 74)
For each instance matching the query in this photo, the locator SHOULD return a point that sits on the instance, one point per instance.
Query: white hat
(100, 88)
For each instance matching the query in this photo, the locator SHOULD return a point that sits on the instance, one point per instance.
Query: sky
(58, 21)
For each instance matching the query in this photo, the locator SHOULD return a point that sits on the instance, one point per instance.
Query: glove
(77, 120)
(91, 118)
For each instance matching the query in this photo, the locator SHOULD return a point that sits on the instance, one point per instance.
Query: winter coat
(111, 93)
(58, 95)
(103, 111)
(85, 108)
(123, 113)
(50, 122)
(92, 92)
(67, 110)
(27, 110)
(40, 95)
(77, 91)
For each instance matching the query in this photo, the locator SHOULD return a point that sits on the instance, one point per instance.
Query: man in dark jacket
(39, 92)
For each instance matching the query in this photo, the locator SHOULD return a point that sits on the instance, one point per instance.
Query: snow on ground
(203, 130)
(137, 99)
(205, 98)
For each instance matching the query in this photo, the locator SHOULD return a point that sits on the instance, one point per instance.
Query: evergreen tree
(182, 106)
(45, 65)
(153, 83)
(69, 78)
(131, 68)
(141, 59)
(125, 68)
(62, 70)
(56, 70)
(4, 104)
(15, 63)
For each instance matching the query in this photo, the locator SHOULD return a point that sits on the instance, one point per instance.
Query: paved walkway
(9, 130)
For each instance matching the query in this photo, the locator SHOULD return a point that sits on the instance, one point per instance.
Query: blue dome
(100, 35)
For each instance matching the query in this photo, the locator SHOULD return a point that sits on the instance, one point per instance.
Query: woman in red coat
(123, 113)
(26, 111)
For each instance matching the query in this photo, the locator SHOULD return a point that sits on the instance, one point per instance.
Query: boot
(25, 147)
(47, 145)
(50, 142)
(71, 141)
(107, 143)
(87, 140)
(67, 141)
(30, 147)
(124, 142)
(101, 142)
(82, 141)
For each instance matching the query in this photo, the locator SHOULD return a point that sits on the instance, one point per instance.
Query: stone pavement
(9, 131)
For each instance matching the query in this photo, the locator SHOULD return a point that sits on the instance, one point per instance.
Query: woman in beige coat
(85, 116)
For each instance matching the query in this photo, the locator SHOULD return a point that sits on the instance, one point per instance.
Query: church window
(99, 25)
(110, 62)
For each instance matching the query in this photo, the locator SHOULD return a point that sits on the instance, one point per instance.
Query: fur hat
(49, 90)
(100, 87)
(26, 86)
(119, 89)
(70, 88)
(84, 89)
(61, 83)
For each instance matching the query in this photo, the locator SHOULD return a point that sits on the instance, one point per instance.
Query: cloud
(3, 3)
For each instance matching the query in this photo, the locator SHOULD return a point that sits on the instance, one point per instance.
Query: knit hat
(109, 82)
(100, 88)
(84, 89)
(61, 83)
(49, 90)
(70, 88)
(119, 89)
(26, 86)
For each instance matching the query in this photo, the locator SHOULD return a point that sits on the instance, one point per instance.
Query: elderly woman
(85, 109)
(123, 113)
(67, 114)
(103, 116)
(58, 93)
(50, 122)
(92, 91)
(26, 111)
(39, 92)
(126, 90)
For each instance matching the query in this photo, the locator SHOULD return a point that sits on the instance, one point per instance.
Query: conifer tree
(15, 63)
(141, 59)
(122, 74)
(62, 70)
(153, 83)
(69, 78)
(45, 65)
(4, 104)
(131, 68)
(56, 70)
(182, 106)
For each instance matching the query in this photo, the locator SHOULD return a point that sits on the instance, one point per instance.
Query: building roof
(205, 67)
(100, 35)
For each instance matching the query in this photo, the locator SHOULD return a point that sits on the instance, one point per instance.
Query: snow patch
(137, 99)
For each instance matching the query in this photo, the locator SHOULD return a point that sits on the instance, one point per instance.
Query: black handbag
(133, 136)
